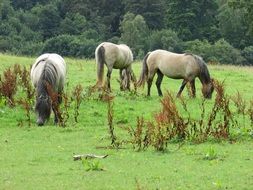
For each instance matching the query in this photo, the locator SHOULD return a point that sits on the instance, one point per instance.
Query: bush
(247, 53)
(59, 44)
(67, 45)
(4, 44)
(82, 47)
(165, 39)
(221, 51)
(226, 53)
(202, 48)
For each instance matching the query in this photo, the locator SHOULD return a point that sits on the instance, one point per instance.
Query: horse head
(207, 89)
(43, 109)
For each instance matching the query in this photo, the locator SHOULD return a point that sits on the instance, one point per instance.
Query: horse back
(173, 65)
(51, 65)
(117, 56)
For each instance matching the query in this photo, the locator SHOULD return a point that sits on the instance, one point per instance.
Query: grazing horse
(48, 71)
(114, 57)
(176, 66)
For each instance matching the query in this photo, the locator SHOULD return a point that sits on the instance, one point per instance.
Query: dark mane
(48, 76)
(204, 73)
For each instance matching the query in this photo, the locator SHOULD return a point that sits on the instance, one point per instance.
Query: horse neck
(204, 75)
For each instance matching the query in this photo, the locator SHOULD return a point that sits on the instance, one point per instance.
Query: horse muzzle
(40, 122)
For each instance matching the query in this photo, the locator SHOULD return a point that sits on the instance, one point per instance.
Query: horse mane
(48, 77)
(204, 73)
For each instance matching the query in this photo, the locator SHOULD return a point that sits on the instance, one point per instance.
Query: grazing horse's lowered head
(204, 77)
(175, 66)
(48, 75)
(114, 57)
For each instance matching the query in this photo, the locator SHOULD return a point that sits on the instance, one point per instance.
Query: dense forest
(218, 30)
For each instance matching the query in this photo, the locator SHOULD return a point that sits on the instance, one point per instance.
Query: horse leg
(121, 78)
(128, 74)
(149, 81)
(109, 72)
(182, 87)
(158, 82)
(193, 88)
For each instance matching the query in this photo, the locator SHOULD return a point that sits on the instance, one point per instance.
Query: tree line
(218, 30)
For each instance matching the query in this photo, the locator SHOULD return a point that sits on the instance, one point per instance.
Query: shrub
(221, 51)
(165, 39)
(247, 53)
(226, 53)
(68, 45)
(59, 44)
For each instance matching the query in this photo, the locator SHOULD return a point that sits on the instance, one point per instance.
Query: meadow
(35, 157)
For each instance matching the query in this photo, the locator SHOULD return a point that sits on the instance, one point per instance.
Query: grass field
(41, 157)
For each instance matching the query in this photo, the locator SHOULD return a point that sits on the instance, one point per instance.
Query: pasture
(41, 157)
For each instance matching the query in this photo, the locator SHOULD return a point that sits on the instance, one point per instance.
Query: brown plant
(77, 97)
(8, 86)
(240, 103)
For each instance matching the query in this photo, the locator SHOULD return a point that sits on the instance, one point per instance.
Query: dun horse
(48, 71)
(114, 57)
(176, 66)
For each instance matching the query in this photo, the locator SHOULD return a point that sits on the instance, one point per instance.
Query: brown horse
(175, 66)
(114, 57)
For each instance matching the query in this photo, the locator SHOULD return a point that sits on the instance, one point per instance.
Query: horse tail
(144, 72)
(100, 59)
(204, 73)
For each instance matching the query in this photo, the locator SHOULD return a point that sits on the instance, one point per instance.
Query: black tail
(144, 72)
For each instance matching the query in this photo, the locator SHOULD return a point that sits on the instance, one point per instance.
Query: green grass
(41, 157)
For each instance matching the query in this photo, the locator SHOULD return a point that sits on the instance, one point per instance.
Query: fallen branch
(88, 156)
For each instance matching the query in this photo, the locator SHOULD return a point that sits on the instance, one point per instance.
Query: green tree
(26, 4)
(165, 39)
(74, 24)
(134, 32)
(153, 11)
(103, 16)
(6, 10)
(193, 19)
(246, 5)
(49, 20)
(233, 27)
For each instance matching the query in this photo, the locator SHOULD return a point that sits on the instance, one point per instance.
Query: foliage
(221, 51)
(193, 19)
(247, 6)
(75, 28)
(69, 45)
(134, 30)
(247, 53)
(232, 26)
(165, 39)
(90, 165)
(211, 154)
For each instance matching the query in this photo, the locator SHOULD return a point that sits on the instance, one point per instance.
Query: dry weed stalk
(55, 97)
(109, 100)
(240, 103)
(77, 97)
(26, 104)
(8, 86)
(221, 106)
(250, 111)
